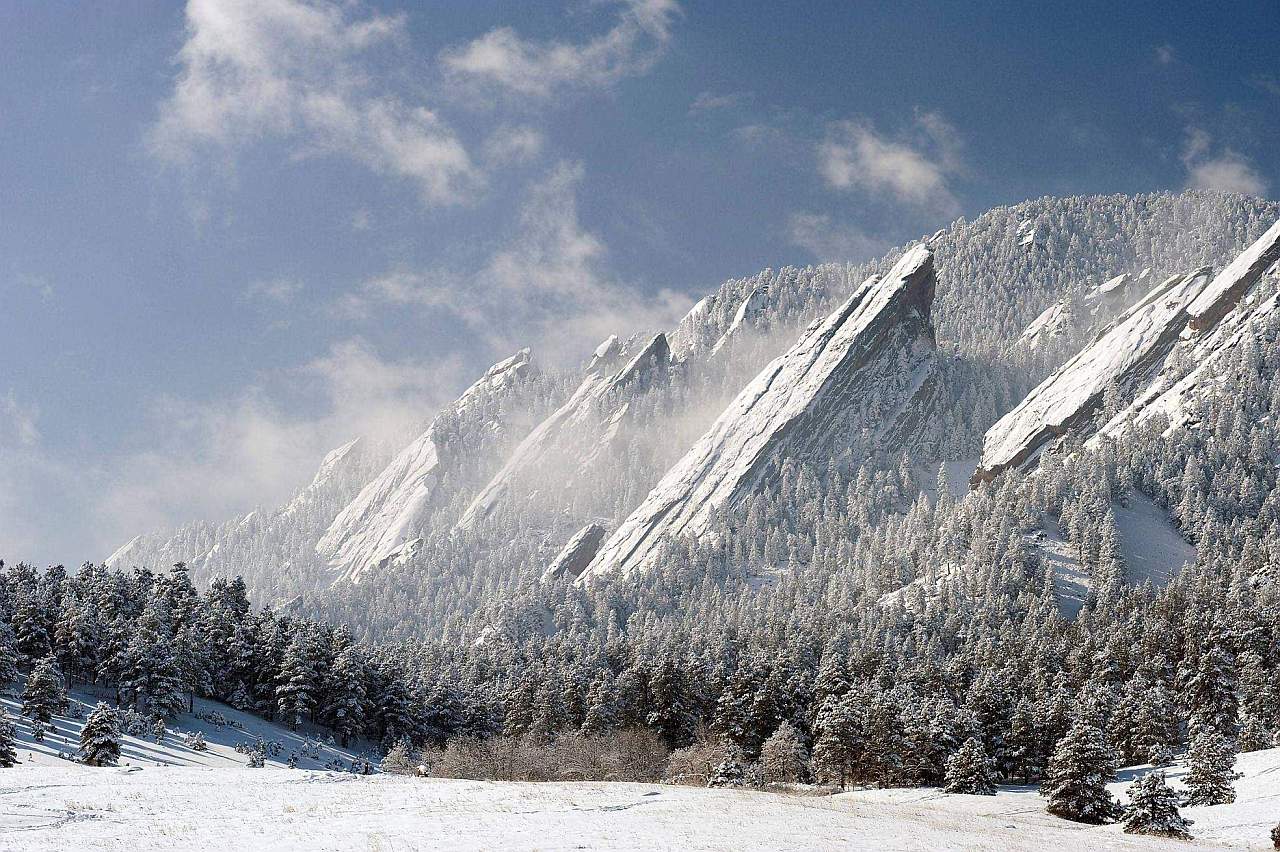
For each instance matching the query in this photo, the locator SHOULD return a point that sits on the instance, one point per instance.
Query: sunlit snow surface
(1151, 547)
(72, 807)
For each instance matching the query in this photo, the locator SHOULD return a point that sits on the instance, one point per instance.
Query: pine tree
(100, 737)
(8, 738)
(166, 696)
(1076, 779)
(1212, 758)
(731, 772)
(30, 626)
(1153, 809)
(347, 695)
(240, 699)
(1211, 691)
(8, 655)
(45, 694)
(970, 771)
(296, 692)
(836, 743)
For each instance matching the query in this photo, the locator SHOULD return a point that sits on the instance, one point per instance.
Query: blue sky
(234, 234)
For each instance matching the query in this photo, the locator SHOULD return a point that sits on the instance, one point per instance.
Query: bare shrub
(695, 764)
(630, 755)
(784, 759)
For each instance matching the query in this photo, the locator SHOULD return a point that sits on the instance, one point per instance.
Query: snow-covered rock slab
(1233, 282)
(1206, 314)
(874, 353)
(747, 316)
(577, 554)
(385, 515)
(1173, 396)
(1127, 353)
(578, 417)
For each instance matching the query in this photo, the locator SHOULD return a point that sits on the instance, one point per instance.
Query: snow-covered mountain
(582, 429)
(386, 516)
(853, 380)
(1133, 360)
(498, 491)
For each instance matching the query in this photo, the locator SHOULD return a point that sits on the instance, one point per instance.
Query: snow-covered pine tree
(296, 692)
(970, 771)
(8, 739)
(240, 698)
(1076, 779)
(1212, 759)
(1153, 809)
(100, 737)
(45, 693)
(346, 709)
(731, 772)
(8, 655)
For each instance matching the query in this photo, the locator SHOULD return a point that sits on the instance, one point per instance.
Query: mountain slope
(389, 511)
(1131, 357)
(581, 429)
(847, 381)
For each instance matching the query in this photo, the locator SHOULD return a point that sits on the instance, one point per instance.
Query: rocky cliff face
(1241, 312)
(849, 381)
(1195, 312)
(388, 512)
(582, 428)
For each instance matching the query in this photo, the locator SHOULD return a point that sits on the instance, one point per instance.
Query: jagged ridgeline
(789, 423)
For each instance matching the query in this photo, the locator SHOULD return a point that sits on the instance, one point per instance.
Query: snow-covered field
(72, 807)
(223, 729)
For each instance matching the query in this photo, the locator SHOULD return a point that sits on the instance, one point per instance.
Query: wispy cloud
(711, 101)
(913, 167)
(1269, 83)
(513, 144)
(548, 285)
(1165, 54)
(304, 72)
(827, 240)
(1219, 168)
(504, 59)
(278, 291)
(215, 458)
(18, 422)
(362, 219)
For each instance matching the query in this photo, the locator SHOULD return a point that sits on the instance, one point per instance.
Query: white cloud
(18, 422)
(518, 144)
(1166, 54)
(280, 291)
(709, 101)
(912, 168)
(303, 72)
(547, 287)
(1226, 170)
(505, 59)
(217, 458)
(828, 241)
